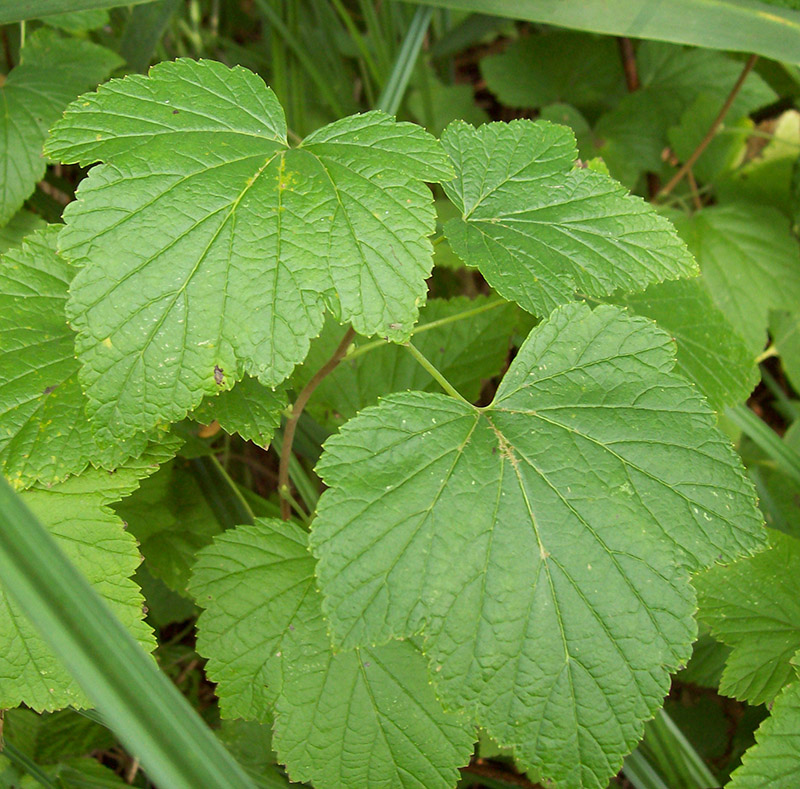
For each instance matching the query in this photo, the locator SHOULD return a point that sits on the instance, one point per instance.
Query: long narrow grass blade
(142, 707)
(17, 10)
(741, 25)
(395, 87)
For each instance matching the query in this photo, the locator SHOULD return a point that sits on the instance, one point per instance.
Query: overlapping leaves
(366, 717)
(540, 229)
(540, 545)
(210, 248)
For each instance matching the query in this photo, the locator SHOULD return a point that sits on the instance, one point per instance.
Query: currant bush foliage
(523, 567)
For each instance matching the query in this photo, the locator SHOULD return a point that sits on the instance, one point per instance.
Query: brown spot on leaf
(219, 375)
(48, 389)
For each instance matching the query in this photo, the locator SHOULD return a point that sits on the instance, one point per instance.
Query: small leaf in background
(77, 514)
(22, 224)
(232, 244)
(250, 410)
(171, 520)
(465, 351)
(54, 70)
(78, 21)
(773, 760)
(749, 261)
(632, 136)
(557, 67)
(785, 330)
(541, 545)
(758, 595)
(540, 229)
(434, 105)
(364, 717)
(44, 432)
(710, 351)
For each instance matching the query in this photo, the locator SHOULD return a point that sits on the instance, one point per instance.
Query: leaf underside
(542, 545)
(225, 245)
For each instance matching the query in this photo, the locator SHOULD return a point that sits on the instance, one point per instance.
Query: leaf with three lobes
(749, 261)
(53, 71)
(210, 249)
(362, 717)
(773, 761)
(465, 351)
(77, 515)
(541, 545)
(44, 432)
(249, 409)
(540, 229)
(754, 606)
(710, 351)
(171, 520)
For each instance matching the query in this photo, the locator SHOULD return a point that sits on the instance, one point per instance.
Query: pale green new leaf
(710, 351)
(53, 71)
(774, 761)
(249, 409)
(209, 248)
(78, 516)
(171, 520)
(44, 433)
(540, 545)
(364, 717)
(750, 262)
(539, 229)
(754, 606)
(466, 351)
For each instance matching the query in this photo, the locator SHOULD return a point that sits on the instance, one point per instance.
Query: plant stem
(767, 354)
(717, 122)
(433, 372)
(371, 346)
(297, 410)
(628, 63)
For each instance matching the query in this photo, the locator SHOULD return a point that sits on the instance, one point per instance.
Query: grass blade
(144, 709)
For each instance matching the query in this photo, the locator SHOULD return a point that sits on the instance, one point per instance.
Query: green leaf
(53, 71)
(23, 223)
(539, 229)
(249, 409)
(78, 516)
(44, 433)
(435, 104)
(223, 244)
(79, 21)
(541, 545)
(559, 66)
(632, 136)
(710, 351)
(466, 351)
(750, 263)
(171, 520)
(743, 25)
(785, 331)
(773, 760)
(754, 606)
(364, 717)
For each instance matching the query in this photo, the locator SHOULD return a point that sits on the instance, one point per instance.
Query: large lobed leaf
(754, 606)
(540, 229)
(44, 432)
(52, 73)
(225, 245)
(364, 717)
(77, 515)
(541, 545)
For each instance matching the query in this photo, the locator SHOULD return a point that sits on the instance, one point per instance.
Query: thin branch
(628, 63)
(297, 409)
(689, 163)
(434, 373)
(698, 203)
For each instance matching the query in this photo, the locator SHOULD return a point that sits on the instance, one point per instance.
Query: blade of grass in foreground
(143, 708)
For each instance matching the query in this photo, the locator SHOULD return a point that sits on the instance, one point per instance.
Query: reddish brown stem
(712, 130)
(628, 63)
(297, 409)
